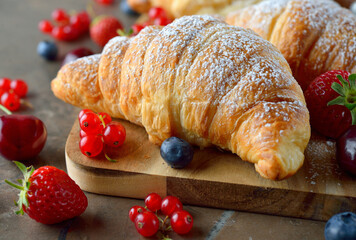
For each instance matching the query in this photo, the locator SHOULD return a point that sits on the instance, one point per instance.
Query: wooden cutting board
(215, 178)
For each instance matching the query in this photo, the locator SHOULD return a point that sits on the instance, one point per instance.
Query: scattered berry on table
(134, 211)
(330, 121)
(170, 204)
(11, 101)
(147, 224)
(75, 54)
(81, 21)
(153, 202)
(181, 222)
(341, 226)
(346, 150)
(45, 26)
(157, 12)
(125, 8)
(47, 50)
(105, 2)
(5, 83)
(114, 134)
(103, 28)
(48, 195)
(177, 152)
(19, 87)
(91, 145)
(60, 15)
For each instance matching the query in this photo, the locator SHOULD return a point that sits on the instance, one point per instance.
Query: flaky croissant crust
(202, 80)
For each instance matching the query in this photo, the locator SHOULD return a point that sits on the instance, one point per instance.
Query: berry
(45, 26)
(22, 137)
(11, 101)
(91, 124)
(136, 28)
(5, 84)
(48, 195)
(114, 134)
(177, 152)
(125, 8)
(105, 2)
(82, 133)
(47, 50)
(75, 54)
(91, 145)
(170, 204)
(82, 112)
(65, 33)
(330, 121)
(19, 87)
(81, 21)
(346, 150)
(341, 226)
(106, 117)
(153, 202)
(161, 21)
(181, 222)
(134, 211)
(59, 15)
(147, 224)
(103, 28)
(156, 12)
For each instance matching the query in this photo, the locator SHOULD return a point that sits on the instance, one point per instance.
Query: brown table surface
(106, 217)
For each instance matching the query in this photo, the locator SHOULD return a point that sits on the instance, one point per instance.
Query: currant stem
(109, 159)
(7, 111)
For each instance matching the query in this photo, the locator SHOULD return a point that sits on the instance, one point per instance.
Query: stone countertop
(106, 217)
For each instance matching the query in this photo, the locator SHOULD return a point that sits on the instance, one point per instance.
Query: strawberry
(49, 195)
(329, 99)
(103, 28)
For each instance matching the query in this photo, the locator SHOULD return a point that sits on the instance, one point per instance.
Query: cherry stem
(26, 103)
(7, 111)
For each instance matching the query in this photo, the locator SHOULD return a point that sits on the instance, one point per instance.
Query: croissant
(179, 8)
(314, 36)
(202, 80)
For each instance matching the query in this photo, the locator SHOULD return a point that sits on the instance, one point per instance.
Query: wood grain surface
(319, 190)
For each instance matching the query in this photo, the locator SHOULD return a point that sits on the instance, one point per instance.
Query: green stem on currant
(110, 159)
(7, 111)
(347, 92)
(27, 172)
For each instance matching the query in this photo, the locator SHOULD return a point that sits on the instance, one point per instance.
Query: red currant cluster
(147, 222)
(156, 16)
(11, 91)
(67, 27)
(97, 130)
(105, 2)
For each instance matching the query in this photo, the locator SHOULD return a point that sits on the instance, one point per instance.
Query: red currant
(134, 211)
(45, 26)
(153, 202)
(170, 204)
(156, 12)
(91, 145)
(19, 87)
(106, 117)
(82, 133)
(147, 224)
(81, 21)
(5, 83)
(65, 33)
(91, 124)
(161, 21)
(60, 15)
(114, 134)
(181, 222)
(11, 101)
(105, 2)
(136, 28)
(82, 112)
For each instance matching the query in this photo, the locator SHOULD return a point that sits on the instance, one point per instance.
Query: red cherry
(181, 222)
(82, 112)
(11, 101)
(19, 87)
(106, 117)
(91, 145)
(153, 202)
(170, 204)
(5, 83)
(156, 12)
(91, 124)
(114, 134)
(60, 15)
(161, 21)
(147, 224)
(45, 26)
(134, 211)
(82, 133)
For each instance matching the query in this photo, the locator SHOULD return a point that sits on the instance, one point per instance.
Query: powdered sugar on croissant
(202, 80)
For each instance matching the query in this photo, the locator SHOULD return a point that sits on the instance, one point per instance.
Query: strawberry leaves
(347, 92)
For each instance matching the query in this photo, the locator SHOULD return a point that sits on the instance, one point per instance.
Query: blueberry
(48, 50)
(125, 8)
(177, 152)
(341, 226)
